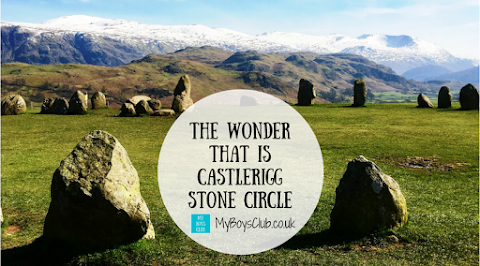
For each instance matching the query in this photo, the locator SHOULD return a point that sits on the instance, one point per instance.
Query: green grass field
(443, 226)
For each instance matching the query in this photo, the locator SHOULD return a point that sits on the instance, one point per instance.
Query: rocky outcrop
(13, 104)
(444, 97)
(181, 95)
(367, 200)
(77, 104)
(423, 101)
(127, 109)
(243, 56)
(263, 80)
(96, 200)
(359, 93)
(306, 93)
(98, 100)
(469, 97)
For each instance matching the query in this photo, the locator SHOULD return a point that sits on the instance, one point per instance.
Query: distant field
(442, 205)
(398, 97)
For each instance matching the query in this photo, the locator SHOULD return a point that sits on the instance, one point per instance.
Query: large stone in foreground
(306, 93)
(13, 104)
(444, 97)
(77, 104)
(96, 200)
(359, 93)
(469, 97)
(423, 101)
(181, 95)
(98, 100)
(367, 200)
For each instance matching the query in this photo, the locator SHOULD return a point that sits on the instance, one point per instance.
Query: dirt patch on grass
(12, 229)
(371, 246)
(424, 163)
(374, 248)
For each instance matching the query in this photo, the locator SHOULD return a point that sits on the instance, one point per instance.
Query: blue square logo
(200, 223)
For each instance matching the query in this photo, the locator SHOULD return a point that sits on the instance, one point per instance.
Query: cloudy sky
(454, 25)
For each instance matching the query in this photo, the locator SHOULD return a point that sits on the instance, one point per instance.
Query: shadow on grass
(42, 252)
(324, 238)
(342, 106)
(454, 109)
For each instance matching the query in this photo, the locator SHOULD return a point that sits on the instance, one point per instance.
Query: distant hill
(470, 75)
(113, 42)
(210, 70)
(325, 71)
(424, 73)
(431, 72)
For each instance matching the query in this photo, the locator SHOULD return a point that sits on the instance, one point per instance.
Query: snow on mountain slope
(399, 52)
(393, 51)
(178, 37)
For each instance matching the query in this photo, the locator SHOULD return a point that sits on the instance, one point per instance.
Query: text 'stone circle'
(240, 172)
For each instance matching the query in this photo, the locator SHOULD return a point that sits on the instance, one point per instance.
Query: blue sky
(454, 25)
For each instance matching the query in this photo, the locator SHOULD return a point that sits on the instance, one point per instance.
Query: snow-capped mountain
(92, 40)
(401, 53)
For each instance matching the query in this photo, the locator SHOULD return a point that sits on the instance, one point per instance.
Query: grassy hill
(155, 78)
(210, 70)
(442, 226)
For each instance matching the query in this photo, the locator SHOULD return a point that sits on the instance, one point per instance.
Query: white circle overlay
(240, 172)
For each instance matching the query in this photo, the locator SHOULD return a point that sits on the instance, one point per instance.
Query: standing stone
(155, 104)
(306, 93)
(444, 97)
(13, 104)
(59, 107)
(135, 99)
(142, 107)
(46, 105)
(96, 200)
(77, 104)
(181, 95)
(469, 97)
(359, 93)
(98, 100)
(127, 109)
(367, 200)
(423, 101)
